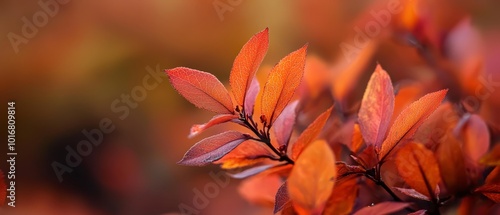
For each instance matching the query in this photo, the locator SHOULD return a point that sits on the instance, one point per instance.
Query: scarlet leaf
(202, 89)
(310, 133)
(251, 96)
(382, 208)
(343, 198)
(246, 154)
(492, 191)
(494, 176)
(410, 119)
(451, 163)
(419, 212)
(310, 182)
(281, 84)
(283, 126)
(344, 170)
(418, 168)
(246, 64)
(218, 119)
(212, 148)
(376, 108)
(281, 198)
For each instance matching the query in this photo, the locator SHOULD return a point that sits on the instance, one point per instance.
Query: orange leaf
(477, 138)
(343, 198)
(382, 208)
(311, 180)
(246, 64)
(218, 119)
(202, 89)
(410, 119)
(281, 84)
(492, 191)
(260, 189)
(310, 133)
(212, 148)
(418, 168)
(357, 139)
(246, 154)
(376, 108)
(451, 163)
(494, 176)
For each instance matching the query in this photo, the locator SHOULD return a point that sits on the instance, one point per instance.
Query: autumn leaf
(476, 138)
(246, 64)
(310, 133)
(212, 148)
(283, 126)
(492, 191)
(343, 198)
(251, 96)
(252, 171)
(382, 208)
(345, 170)
(260, 189)
(410, 119)
(376, 108)
(202, 89)
(283, 79)
(418, 168)
(281, 198)
(412, 193)
(310, 182)
(218, 119)
(451, 163)
(494, 176)
(357, 139)
(247, 153)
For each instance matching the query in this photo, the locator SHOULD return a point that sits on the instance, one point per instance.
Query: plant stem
(382, 184)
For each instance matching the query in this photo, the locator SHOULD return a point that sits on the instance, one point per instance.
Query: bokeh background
(65, 78)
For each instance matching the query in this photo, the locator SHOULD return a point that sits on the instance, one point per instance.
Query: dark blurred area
(82, 61)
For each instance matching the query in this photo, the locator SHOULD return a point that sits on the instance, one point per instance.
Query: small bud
(263, 118)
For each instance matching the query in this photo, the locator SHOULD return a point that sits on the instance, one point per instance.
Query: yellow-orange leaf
(202, 89)
(376, 108)
(311, 180)
(343, 198)
(246, 64)
(410, 119)
(418, 168)
(310, 133)
(281, 84)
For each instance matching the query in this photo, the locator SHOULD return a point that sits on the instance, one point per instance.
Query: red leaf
(311, 181)
(343, 198)
(310, 133)
(492, 191)
(246, 64)
(492, 158)
(218, 119)
(281, 198)
(247, 153)
(281, 84)
(419, 212)
(251, 96)
(412, 193)
(382, 208)
(252, 171)
(419, 168)
(376, 108)
(202, 89)
(344, 170)
(410, 119)
(212, 148)
(283, 126)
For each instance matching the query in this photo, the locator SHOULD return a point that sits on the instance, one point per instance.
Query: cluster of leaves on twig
(394, 156)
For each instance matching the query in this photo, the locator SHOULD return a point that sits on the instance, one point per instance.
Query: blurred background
(70, 64)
